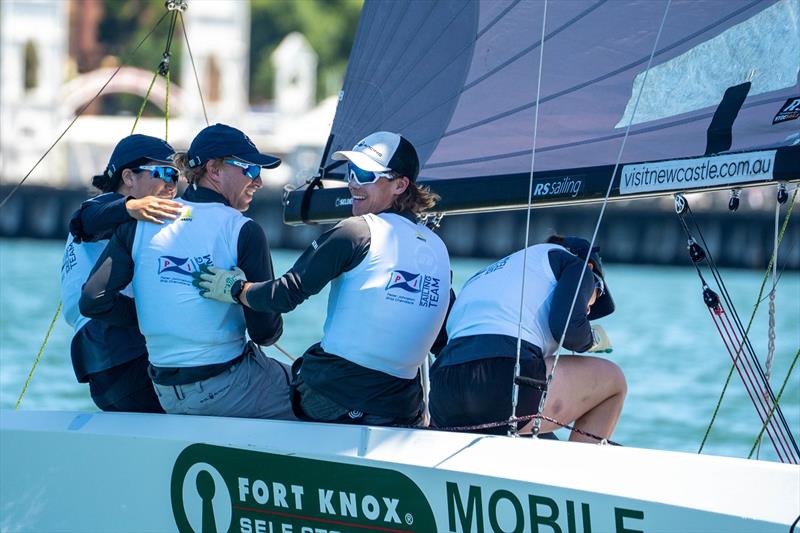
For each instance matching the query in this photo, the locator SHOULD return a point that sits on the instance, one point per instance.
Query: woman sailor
(139, 182)
(472, 378)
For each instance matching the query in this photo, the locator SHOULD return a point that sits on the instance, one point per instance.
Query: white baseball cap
(383, 151)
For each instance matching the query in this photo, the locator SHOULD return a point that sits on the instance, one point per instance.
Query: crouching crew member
(472, 378)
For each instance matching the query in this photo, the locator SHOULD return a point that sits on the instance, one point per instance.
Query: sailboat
(512, 105)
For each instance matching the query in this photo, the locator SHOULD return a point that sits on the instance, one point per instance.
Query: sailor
(472, 378)
(138, 182)
(200, 360)
(390, 288)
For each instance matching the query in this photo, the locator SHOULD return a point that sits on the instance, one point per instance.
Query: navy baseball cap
(604, 305)
(220, 140)
(136, 147)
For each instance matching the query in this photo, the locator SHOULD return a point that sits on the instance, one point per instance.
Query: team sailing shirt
(165, 257)
(488, 307)
(96, 346)
(101, 296)
(385, 313)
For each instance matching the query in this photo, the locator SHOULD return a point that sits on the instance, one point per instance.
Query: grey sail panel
(459, 80)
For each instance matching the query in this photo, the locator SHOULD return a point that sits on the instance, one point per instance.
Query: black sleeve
(98, 217)
(101, 297)
(255, 260)
(441, 338)
(336, 251)
(567, 269)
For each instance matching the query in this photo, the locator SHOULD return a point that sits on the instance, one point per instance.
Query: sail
(459, 79)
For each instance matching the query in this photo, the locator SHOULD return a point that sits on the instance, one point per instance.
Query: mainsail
(459, 79)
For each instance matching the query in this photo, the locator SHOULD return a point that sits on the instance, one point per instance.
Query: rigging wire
(757, 443)
(82, 110)
(513, 429)
(194, 67)
(557, 353)
(745, 331)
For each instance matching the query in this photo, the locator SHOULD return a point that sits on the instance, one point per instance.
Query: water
(664, 341)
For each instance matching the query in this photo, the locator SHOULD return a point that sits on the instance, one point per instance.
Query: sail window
(764, 48)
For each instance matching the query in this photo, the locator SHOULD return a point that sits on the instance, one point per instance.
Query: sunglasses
(599, 285)
(162, 172)
(365, 177)
(249, 170)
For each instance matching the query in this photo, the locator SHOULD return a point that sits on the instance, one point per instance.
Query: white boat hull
(136, 472)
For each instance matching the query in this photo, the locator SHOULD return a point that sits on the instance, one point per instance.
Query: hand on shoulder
(153, 209)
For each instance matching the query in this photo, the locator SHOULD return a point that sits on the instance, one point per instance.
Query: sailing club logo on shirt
(422, 289)
(789, 111)
(184, 267)
(407, 281)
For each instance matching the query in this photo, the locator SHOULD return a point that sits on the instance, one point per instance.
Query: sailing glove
(216, 283)
(600, 341)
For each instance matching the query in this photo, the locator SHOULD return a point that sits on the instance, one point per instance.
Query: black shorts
(479, 392)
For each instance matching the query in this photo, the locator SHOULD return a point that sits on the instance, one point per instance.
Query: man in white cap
(390, 288)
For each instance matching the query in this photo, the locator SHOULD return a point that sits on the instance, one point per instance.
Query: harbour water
(665, 342)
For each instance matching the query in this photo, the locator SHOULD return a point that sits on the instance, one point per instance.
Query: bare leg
(587, 390)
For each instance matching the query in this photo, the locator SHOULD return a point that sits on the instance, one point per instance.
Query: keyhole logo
(206, 499)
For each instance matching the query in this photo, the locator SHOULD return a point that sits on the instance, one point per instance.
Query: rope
(166, 111)
(81, 111)
(557, 354)
(526, 418)
(144, 101)
(38, 357)
(194, 68)
(284, 352)
(772, 261)
(775, 405)
(517, 369)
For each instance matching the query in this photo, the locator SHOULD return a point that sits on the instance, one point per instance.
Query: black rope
(514, 420)
(82, 109)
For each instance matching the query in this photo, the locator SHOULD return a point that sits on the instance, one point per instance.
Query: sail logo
(407, 281)
(214, 488)
(566, 186)
(789, 111)
(697, 173)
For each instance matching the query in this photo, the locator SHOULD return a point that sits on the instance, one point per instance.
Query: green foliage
(329, 25)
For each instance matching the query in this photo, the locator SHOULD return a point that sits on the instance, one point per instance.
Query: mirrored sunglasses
(249, 170)
(162, 172)
(599, 284)
(365, 177)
